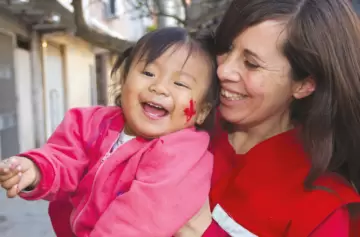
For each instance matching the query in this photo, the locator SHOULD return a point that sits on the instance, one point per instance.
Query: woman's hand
(197, 224)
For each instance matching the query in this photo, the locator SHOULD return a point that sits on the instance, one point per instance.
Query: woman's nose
(228, 69)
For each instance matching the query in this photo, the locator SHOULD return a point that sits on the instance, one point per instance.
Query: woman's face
(256, 79)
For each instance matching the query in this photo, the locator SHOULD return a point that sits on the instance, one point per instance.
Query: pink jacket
(145, 188)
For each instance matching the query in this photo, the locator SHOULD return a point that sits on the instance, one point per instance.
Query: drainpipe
(102, 76)
(37, 90)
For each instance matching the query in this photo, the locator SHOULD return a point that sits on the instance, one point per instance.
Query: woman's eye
(251, 65)
(181, 84)
(148, 74)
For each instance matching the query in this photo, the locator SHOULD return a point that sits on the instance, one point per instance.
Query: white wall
(126, 25)
(54, 87)
(26, 130)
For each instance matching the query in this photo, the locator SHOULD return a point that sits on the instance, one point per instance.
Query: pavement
(19, 218)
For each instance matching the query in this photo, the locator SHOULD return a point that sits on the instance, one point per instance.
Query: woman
(286, 153)
(286, 157)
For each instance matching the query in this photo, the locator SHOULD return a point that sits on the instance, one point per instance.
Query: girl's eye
(148, 74)
(181, 84)
(251, 65)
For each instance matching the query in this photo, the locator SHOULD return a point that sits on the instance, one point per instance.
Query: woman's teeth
(232, 96)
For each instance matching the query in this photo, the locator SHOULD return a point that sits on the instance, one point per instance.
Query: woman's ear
(304, 88)
(204, 112)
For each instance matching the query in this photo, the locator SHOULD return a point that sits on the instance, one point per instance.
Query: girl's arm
(62, 160)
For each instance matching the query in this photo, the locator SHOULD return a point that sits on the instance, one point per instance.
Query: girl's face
(255, 77)
(168, 94)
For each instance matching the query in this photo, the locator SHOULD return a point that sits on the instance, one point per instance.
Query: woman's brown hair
(323, 42)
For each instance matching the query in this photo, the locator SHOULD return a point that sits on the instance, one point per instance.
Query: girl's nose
(159, 88)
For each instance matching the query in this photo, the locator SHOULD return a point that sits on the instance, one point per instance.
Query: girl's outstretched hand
(18, 173)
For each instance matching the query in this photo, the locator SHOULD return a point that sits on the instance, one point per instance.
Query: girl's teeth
(156, 106)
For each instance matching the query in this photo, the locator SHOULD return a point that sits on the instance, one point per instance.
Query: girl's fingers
(9, 164)
(14, 163)
(4, 167)
(10, 173)
(28, 178)
(13, 191)
(9, 183)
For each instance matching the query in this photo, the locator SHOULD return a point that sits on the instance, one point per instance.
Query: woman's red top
(261, 193)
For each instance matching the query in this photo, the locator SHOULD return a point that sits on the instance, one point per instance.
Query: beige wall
(78, 57)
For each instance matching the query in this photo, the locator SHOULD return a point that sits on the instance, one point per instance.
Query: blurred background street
(19, 218)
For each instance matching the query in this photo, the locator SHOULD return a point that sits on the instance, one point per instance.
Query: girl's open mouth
(154, 111)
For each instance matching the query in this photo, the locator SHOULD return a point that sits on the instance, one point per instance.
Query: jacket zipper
(102, 161)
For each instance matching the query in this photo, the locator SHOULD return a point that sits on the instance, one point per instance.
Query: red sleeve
(336, 225)
(171, 185)
(62, 160)
(215, 230)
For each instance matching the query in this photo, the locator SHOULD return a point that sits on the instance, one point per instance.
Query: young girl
(141, 168)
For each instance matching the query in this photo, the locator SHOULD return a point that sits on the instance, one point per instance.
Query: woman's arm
(202, 225)
(336, 225)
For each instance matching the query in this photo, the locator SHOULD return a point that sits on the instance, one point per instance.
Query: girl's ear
(204, 112)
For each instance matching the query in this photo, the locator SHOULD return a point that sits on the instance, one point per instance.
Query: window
(356, 5)
(112, 8)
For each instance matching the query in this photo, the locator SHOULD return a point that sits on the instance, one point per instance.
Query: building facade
(45, 69)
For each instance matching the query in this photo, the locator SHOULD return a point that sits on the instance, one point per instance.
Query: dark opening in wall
(23, 43)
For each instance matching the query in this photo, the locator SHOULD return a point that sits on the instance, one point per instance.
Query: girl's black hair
(152, 45)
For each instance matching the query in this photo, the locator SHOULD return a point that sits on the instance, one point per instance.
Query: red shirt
(261, 193)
